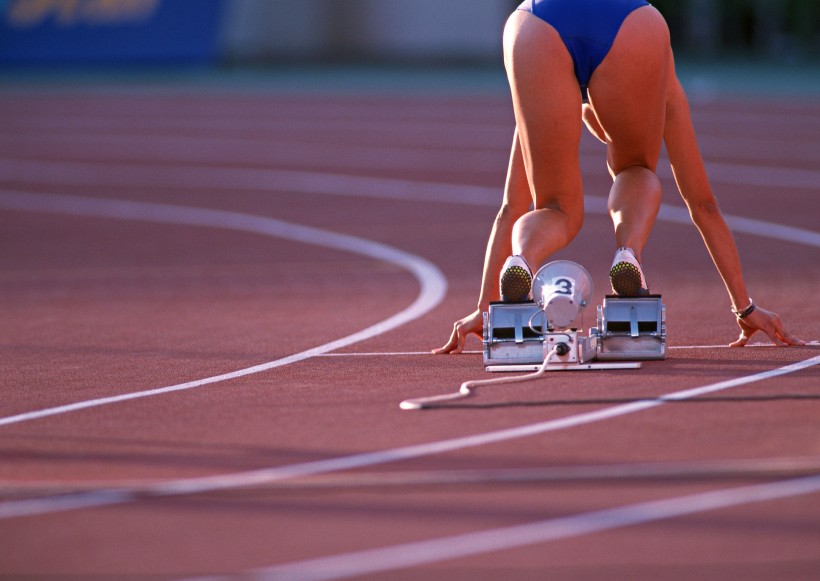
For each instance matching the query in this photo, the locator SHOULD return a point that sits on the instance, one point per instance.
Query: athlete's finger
(459, 338)
(453, 345)
(775, 331)
(448, 347)
(787, 337)
(746, 333)
(774, 338)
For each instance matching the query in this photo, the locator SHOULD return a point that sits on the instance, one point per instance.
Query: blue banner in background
(109, 31)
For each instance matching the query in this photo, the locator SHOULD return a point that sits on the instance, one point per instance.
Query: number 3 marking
(563, 286)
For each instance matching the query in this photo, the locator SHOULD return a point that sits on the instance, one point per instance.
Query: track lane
(386, 384)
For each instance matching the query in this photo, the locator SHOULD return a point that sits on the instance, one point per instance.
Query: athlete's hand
(471, 324)
(767, 322)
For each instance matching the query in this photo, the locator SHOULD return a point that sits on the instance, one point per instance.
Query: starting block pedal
(631, 328)
(511, 335)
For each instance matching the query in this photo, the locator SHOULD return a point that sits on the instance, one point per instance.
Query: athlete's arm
(516, 203)
(693, 184)
(696, 191)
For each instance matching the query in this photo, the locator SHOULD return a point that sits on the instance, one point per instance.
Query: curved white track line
(193, 177)
(128, 210)
(440, 549)
(432, 281)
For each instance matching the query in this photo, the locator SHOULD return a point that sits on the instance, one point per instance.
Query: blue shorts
(587, 27)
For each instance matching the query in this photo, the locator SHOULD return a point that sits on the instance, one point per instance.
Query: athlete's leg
(547, 105)
(628, 94)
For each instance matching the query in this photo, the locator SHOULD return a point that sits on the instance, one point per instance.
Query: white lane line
(385, 354)
(264, 476)
(432, 282)
(414, 554)
(728, 468)
(769, 345)
(210, 149)
(680, 215)
(267, 180)
(416, 353)
(129, 207)
(253, 477)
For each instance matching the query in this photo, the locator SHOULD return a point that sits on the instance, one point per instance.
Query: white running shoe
(626, 275)
(516, 280)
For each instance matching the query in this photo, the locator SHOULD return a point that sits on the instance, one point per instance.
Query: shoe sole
(626, 280)
(516, 283)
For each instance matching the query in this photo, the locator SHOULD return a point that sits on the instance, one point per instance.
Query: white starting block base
(565, 367)
(629, 329)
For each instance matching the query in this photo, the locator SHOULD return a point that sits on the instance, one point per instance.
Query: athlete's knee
(551, 226)
(640, 177)
(633, 165)
(572, 216)
(636, 167)
(574, 227)
(634, 185)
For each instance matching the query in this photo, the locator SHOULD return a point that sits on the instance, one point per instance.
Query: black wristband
(745, 312)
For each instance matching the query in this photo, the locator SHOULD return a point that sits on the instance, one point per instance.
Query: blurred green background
(775, 29)
(740, 45)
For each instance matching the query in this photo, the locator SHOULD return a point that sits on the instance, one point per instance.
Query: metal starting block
(520, 335)
(631, 328)
(511, 335)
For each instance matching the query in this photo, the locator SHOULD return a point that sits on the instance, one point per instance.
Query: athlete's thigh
(628, 90)
(547, 104)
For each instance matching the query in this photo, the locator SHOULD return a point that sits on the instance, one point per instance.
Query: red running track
(212, 280)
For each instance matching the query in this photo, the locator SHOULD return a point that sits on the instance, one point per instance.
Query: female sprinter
(608, 64)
